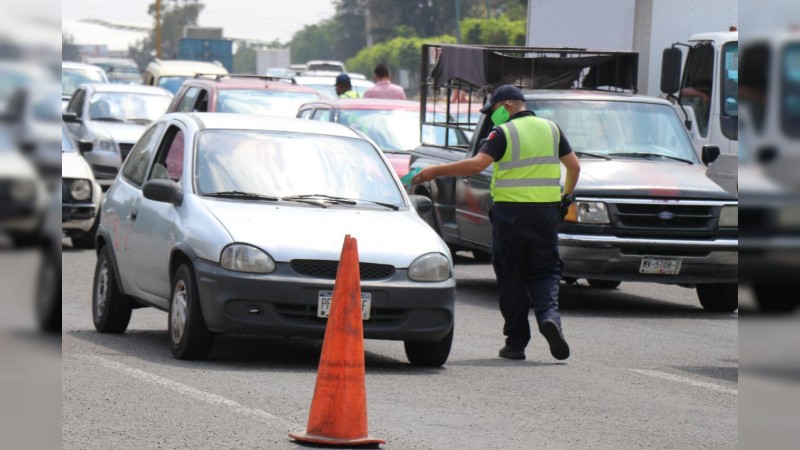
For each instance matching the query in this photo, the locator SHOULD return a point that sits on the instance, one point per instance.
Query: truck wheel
(603, 284)
(189, 337)
(777, 298)
(111, 309)
(723, 297)
(429, 354)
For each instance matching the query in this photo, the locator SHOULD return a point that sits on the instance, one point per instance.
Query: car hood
(74, 166)
(14, 165)
(125, 133)
(626, 178)
(290, 231)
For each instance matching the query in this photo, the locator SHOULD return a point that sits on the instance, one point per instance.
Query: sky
(265, 20)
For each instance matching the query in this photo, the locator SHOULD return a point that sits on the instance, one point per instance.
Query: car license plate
(324, 304)
(660, 265)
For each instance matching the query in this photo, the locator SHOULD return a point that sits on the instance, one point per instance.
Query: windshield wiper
(596, 155)
(241, 195)
(140, 121)
(650, 155)
(332, 199)
(108, 119)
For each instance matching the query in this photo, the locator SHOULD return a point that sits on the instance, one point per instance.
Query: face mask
(500, 116)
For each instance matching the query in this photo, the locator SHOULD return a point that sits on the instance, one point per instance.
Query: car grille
(327, 269)
(677, 217)
(124, 149)
(309, 313)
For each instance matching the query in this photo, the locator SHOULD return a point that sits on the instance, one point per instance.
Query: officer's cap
(503, 93)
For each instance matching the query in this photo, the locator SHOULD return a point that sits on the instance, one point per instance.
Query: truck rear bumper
(614, 258)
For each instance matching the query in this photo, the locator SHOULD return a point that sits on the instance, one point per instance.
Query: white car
(81, 196)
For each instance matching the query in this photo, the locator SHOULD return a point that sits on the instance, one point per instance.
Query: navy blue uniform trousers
(526, 262)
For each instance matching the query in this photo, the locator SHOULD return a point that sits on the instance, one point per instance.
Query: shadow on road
(717, 372)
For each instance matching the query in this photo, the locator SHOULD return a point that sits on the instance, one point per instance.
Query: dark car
(241, 94)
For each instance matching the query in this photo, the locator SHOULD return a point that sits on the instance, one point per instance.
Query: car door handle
(134, 213)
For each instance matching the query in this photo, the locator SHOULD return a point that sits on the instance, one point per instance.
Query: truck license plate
(324, 304)
(660, 265)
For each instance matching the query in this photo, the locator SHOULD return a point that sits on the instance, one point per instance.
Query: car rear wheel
(188, 335)
(777, 298)
(429, 354)
(48, 295)
(111, 310)
(723, 297)
(604, 284)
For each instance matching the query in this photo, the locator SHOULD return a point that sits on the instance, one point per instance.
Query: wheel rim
(101, 297)
(178, 312)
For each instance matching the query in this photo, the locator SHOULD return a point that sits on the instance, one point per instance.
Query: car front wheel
(777, 298)
(429, 354)
(723, 297)
(188, 335)
(111, 309)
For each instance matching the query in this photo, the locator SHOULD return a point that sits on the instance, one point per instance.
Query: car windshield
(268, 102)
(47, 108)
(128, 106)
(279, 164)
(172, 84)
(396, 130)
(618, 127)
(72, 78)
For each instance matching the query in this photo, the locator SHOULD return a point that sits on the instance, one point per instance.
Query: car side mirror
(671, 70)
(165, 191)
(709, 154)
(85, 146)
(70, 117)
(422, 204)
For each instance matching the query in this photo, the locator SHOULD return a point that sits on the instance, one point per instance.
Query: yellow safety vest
(528, 172)
(350, 94)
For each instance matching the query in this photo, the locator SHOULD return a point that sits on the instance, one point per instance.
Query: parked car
(171, 73)
(241, 94)
(107, 119)
(23, 196)
(325, 66)
(326, 85)
(75, 74)
(80, 195)
(119, 70)
(234, 224)
(392, 124)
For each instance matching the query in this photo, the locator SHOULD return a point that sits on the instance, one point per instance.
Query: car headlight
(729, 216)
(246, 258)
(430, 267)
(104, 142)
(587, 212)
(80, 190)
(23, 190)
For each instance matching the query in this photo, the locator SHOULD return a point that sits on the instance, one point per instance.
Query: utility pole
(458, 21)
(367, 22)
(158, 29)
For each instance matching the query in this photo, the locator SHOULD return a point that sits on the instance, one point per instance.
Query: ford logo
(665, 215)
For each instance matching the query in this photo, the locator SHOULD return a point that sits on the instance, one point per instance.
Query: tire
(429, 354)
(723, 297)
(48, 295)
(604, 284)
(87, 240)
(776, 298)
(111, 309)
(189, 337)
(26, 240)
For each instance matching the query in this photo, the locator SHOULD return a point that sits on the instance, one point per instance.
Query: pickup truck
(644, 211)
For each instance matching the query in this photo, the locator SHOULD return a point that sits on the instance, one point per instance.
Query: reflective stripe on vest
(529, 173)
(350, 94)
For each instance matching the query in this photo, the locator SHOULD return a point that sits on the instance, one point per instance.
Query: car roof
(250, 122)
(593, 95)
(330, 80)
(367, 103)
(233, 82)
(180, 67)
(132, 88)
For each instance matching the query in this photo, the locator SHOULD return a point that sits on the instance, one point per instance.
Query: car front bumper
(606, 257)
(77, 217)
(285, 303)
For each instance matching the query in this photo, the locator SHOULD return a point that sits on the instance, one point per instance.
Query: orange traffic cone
(338, 413)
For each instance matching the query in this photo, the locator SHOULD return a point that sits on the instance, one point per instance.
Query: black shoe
(558, 345)
(511, 353)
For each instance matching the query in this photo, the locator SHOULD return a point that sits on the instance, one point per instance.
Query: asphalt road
(649, 368)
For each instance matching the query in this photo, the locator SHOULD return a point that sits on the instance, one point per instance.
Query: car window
(128, 106)
(322, 114)
(168, 165)
(202, 102)
(268, 102)
(305, 114)
(189, 98)
(135, 166)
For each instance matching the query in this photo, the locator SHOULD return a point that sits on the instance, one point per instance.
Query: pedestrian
(384, 88)
(529, 204)
(344, 88)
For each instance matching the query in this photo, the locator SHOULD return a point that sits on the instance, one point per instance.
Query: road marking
(183, 389)
(702, 384)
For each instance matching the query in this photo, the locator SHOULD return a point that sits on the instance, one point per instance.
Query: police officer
(344, 89)
(528, 206)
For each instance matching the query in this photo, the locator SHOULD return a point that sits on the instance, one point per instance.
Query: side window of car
(305, 114)
(76, 102)
(202, 102)
(135, 167)
(323, 115)
(189, 99)
(168, 164)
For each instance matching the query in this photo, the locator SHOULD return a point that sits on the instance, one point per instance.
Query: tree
(175, 14)
(496, 31)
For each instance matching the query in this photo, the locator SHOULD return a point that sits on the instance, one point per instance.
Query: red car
(244, 94)
(392, 124)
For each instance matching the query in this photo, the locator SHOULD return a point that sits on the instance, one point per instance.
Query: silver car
(235, 223)
(107, 119)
